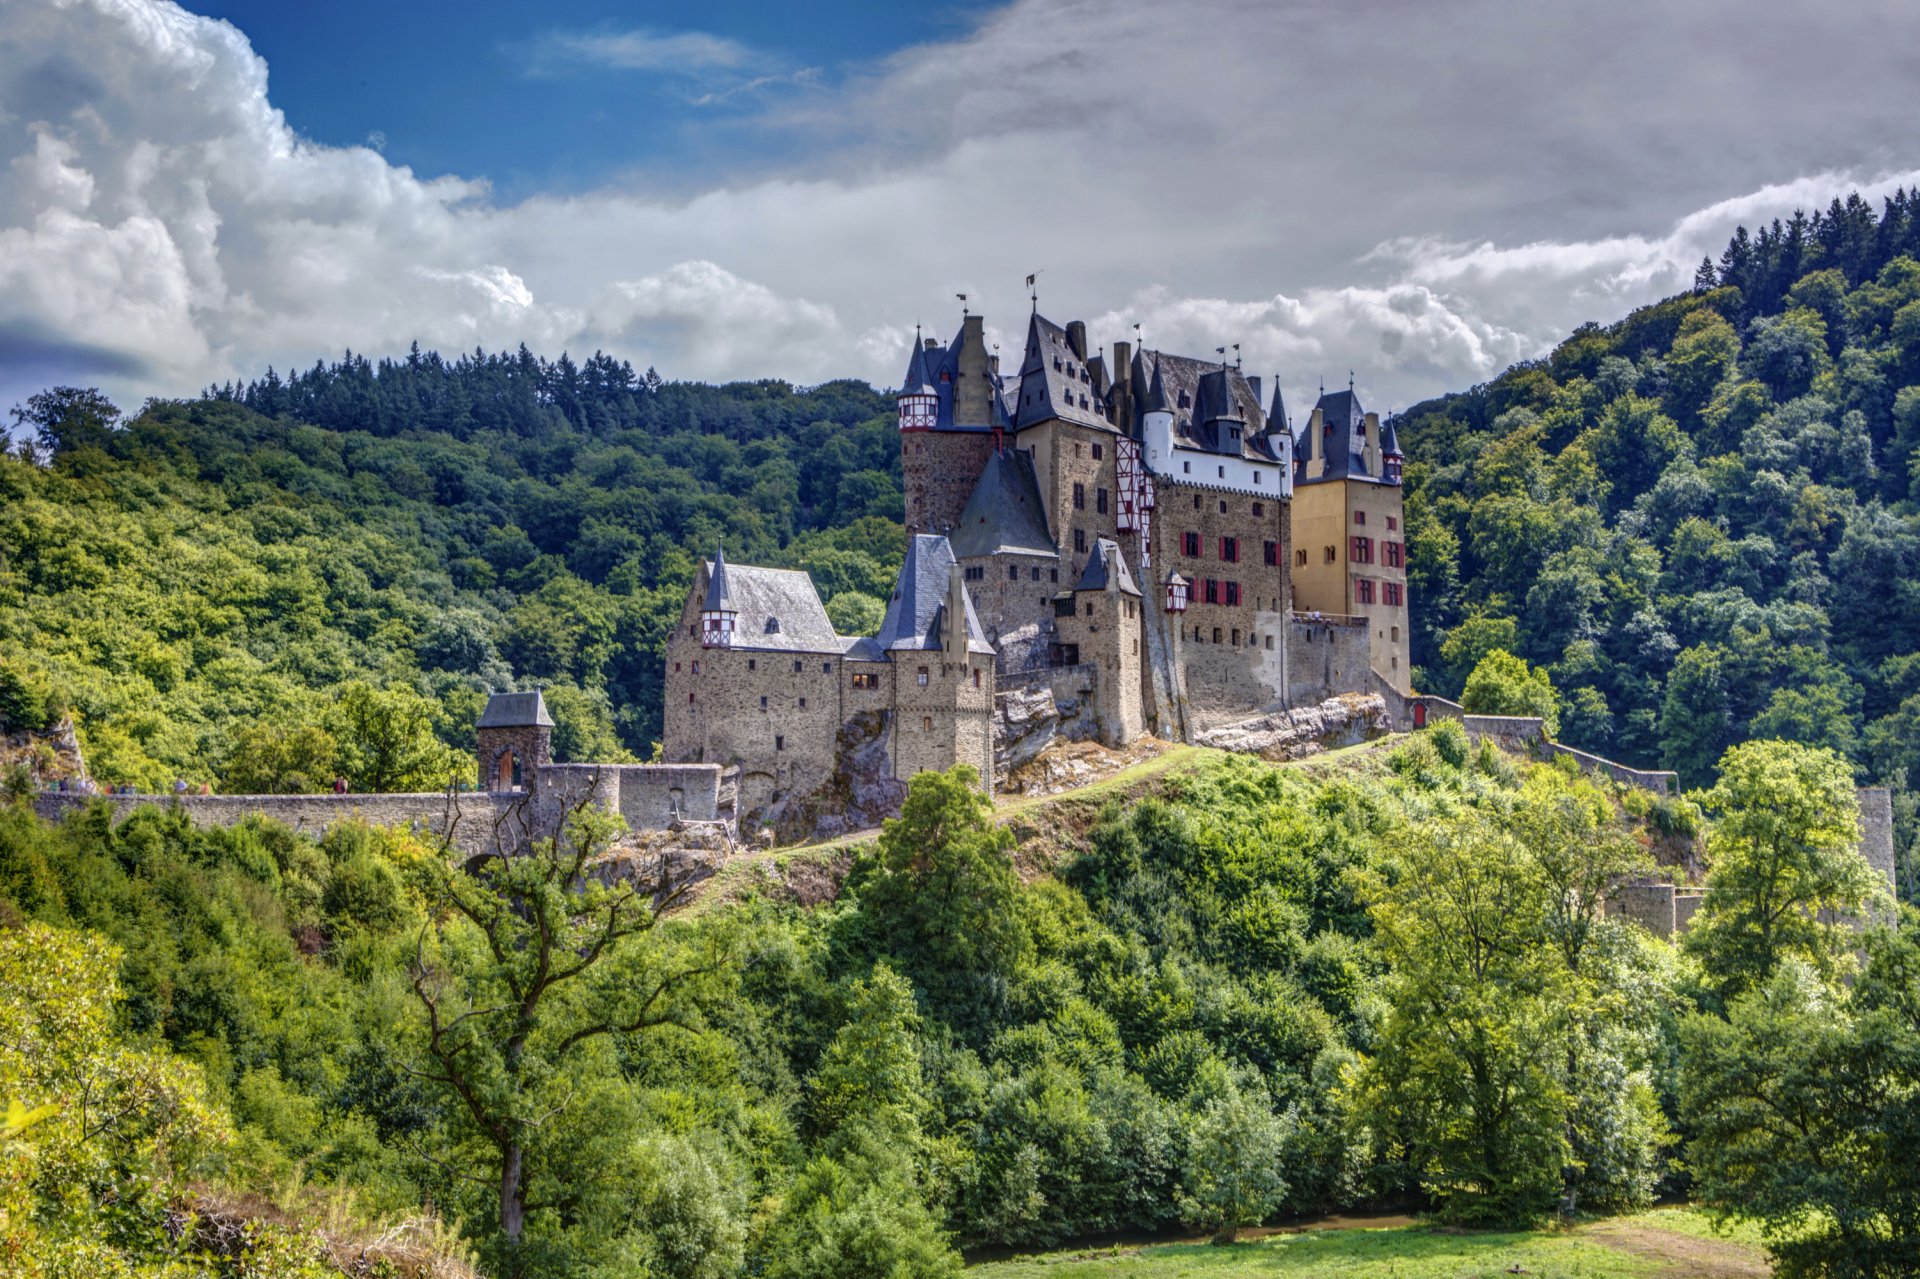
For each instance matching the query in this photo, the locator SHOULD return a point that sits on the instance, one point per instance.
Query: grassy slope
(1667, 1242)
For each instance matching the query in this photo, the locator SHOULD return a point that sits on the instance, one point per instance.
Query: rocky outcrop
(1025, 722)
(47, 757)
(1346, 720)
(861, 794)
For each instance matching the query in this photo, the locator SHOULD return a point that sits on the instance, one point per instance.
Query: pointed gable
(916, 615)
(1005, 515)
(1055, 382)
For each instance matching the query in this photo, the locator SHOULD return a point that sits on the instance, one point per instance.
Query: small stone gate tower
(513, 739)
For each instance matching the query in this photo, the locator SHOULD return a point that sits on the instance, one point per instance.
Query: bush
(1449, 738)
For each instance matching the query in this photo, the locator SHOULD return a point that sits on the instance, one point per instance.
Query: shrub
(1449, 738)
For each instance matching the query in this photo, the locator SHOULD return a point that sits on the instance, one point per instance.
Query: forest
(1260, 991)
(1699, 521)
(1255, 992)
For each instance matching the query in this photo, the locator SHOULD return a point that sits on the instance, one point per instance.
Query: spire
(1157, 393)
(719, 599)
(1277, 415)
(918, 378)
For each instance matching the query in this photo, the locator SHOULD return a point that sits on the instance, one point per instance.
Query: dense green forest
(1700, 520)
(204, 582)
(1264, 992)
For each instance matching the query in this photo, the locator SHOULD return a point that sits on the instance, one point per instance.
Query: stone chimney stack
(1077, 339)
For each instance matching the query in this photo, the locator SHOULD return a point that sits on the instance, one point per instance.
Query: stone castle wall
(937, 474)
(472, 814)
(1327, 656)
(648, 796)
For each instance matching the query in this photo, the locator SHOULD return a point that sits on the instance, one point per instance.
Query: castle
(1147, 538)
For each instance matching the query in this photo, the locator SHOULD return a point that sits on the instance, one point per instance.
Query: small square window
(803, 703)
(753, 663)
(1098, 452)
(779, 742)
(696, 668)
(763, 701)
(922, 676)
(796, 666)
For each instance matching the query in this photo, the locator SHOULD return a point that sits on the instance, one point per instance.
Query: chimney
(931, 343)
(1077, 339)
(1253, 384)
(956, 637)
(1122, 359)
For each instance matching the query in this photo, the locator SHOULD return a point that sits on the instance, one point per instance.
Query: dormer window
(773, 626)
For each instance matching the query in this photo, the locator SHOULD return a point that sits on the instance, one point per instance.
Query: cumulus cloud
(1420, 206)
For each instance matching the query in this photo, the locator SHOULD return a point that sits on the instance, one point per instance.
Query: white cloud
(1421, 207)
(679, 52)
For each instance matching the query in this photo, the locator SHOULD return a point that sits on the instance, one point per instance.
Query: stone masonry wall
(1328, 656)
(645, 794)
(314, 815)
(1014, 597)
(938, 470)
(1233, 654)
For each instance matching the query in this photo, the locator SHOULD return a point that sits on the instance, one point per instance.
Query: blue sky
(1421, 193)
(540, 98)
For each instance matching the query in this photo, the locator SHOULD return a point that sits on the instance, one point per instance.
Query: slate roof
(1106, 559)
(1206, 400)
(1389, 440)
(782, 597)
(916, 615)
(1342, 436)
(920, 364)
(936, 368)
(717, 601)
(1005, 514)
(1054, 382)
(515, 710)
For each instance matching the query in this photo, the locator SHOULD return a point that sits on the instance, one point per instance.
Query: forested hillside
(1261, 991)
(1702, 519)
(260, 586)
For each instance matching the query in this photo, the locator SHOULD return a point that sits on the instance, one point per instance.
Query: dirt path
(1689, 1255)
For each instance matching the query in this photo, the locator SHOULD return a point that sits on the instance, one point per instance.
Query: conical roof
(719, 598)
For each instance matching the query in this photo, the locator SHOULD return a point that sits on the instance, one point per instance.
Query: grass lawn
(1664, 1244)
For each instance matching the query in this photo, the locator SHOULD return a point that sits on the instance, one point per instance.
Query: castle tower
(513, 740)
(950, 415)
(1100, 620)
(1348, 526)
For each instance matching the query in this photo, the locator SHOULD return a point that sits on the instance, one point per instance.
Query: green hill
(1700, 519)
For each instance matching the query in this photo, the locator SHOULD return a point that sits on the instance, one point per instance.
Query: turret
(1280, 439)
(718, 613)
(1391, 459)
(1156, 420)
(918, 402)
